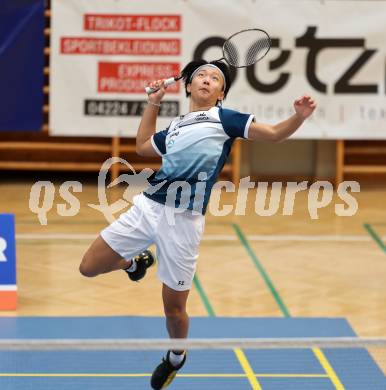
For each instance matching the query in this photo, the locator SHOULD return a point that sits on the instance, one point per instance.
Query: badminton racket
(243, 48)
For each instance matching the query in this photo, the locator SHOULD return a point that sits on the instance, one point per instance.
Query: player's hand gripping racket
(241, 49)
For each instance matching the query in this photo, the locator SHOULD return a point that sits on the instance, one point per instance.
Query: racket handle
(167, 82)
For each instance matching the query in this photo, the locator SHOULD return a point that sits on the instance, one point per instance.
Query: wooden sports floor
(249, 265)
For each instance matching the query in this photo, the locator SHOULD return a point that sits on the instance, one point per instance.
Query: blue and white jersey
(194, 149)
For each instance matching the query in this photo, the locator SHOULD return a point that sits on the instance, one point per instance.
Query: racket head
(246, 47)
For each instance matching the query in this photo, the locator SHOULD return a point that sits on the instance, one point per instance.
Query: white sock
(175, 359)
(133, 266)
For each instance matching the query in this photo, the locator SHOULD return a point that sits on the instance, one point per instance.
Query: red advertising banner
(151, 23)
(132, 77)
(120, 46)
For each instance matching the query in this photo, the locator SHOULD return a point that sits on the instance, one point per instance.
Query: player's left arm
(304, 107)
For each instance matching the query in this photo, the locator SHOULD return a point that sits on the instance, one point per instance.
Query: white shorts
(148, 222)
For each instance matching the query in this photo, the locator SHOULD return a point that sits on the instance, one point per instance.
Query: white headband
(211, 66)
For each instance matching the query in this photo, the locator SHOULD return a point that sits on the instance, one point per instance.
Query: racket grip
(167, 82)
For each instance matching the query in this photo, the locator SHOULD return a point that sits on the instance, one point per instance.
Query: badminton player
(194, 149)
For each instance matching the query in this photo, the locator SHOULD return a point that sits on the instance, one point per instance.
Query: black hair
(193, 65)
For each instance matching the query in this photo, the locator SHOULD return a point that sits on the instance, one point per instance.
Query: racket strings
(256, 50)
(231, 53)
(246, 47)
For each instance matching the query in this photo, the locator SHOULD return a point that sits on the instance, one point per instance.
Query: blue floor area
(209, 369)
(154, 327)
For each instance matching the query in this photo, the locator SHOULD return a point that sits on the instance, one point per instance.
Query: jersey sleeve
(235, 124)
(158, 141)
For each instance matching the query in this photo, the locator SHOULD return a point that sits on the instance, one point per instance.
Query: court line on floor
(83, 375)
(262, 271)
(317, 351)
(204, 298)
(374, 235)
(211, 237)
(243, 361)
(63, 222)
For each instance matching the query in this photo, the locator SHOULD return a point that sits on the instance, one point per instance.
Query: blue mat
(209, 369)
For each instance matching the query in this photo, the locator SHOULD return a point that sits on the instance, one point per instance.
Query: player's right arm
(147, 127)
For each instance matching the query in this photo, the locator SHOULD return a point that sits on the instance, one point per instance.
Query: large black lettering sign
(315, 46)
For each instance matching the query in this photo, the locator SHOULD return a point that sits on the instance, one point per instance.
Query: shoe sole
(169, 379)
(154, 260)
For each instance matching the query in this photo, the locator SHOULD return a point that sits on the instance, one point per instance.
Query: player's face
(207, 85)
